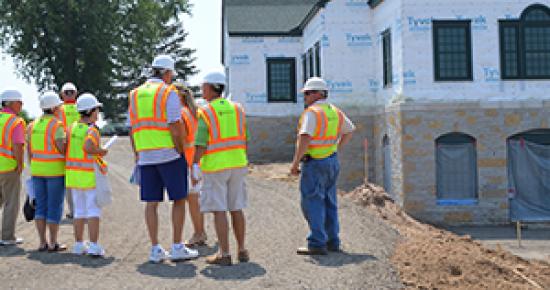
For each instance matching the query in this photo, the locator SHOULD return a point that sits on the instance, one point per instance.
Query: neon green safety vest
(80, 171)
(226, 148)
(329, 122)
(8, 122)
(46, 161)
(69, 115)
(147, 108)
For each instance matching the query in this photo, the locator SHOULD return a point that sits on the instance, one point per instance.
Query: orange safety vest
(147, 108)
(191, 124)
(8, 123)
(329, 121)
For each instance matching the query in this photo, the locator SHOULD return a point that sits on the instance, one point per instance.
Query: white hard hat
(164, 61)
(11, 95)
(68, 87)
(201, 102)
(50, 100)
(315, 84)
(87, 102)
(214, 78)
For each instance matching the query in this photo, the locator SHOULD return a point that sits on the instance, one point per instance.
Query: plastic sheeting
(456, 171)
(529, 180)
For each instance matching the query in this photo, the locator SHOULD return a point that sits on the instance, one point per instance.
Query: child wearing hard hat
(46, 141)
(85, 171)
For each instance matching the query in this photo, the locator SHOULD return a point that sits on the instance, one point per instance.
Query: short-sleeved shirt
(309, 122)
(173, 114)
(18, 132)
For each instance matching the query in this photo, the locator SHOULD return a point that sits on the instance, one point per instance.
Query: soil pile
(431, 258)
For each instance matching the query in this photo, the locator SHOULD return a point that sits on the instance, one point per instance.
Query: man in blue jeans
(323, 129)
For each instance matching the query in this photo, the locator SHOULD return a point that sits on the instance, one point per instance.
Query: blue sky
(204, 35)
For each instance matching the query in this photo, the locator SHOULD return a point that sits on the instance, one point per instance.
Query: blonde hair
(186, 97)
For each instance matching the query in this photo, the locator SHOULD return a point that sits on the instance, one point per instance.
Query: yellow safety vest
(8, 122)
(80, 170)
(226, 148)
(46, 160)
(329, 120)
(68, 115)
(147, 108)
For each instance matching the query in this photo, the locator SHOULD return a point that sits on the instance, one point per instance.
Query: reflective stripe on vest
(147, 108)
(46, 161)
(329, 120)
(8, 123)
(226, 147)
(79, 173)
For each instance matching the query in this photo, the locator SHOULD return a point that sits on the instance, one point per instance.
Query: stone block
(471, 120)
(408, 137)
(412, 121)
(491, 113)
(503, 205)
(428, 137)
(512, 119)
(458, 217)
(415, 206)
(496, 180)
(435, 124)
(492, 162)
(494, 193)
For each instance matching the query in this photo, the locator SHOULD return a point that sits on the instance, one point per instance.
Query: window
(311, 62)
(281, 80)
(318, 59)
(452, 42)
(456, 168)
(304, 68)
(386, 58)
(525, 45)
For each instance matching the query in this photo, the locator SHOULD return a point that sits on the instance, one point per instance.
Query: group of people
(197, 153)
(63, 149)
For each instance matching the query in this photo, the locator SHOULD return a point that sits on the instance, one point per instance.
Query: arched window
(456, 167)
(525, 44)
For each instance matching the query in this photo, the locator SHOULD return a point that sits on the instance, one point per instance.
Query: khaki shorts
(224, 190)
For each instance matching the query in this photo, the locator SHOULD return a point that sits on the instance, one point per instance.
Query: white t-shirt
(309, 122)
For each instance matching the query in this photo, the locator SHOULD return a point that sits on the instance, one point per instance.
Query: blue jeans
(319, 201)
(50, 194)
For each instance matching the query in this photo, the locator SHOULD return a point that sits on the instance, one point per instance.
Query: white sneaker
(158, 254)
(17, 241)
(80, 248)
(96, 250)
(181, 252)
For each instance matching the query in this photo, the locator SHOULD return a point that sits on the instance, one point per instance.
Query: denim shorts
(50, 195)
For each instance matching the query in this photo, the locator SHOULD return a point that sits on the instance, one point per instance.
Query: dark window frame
(293, 90)
(387, 61)
(317, 49)
(465, 24)
(311, 67)
(304, 68)
(521, 54)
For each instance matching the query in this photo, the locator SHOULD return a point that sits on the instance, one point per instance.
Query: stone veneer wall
(413, 129)
(273, 140)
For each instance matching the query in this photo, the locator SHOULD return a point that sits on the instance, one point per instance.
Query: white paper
(110, 142)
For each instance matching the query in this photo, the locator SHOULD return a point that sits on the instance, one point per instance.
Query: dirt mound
(431, 258)
(272, 171)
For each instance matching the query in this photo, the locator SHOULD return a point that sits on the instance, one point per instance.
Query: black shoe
(69, 216)
(334, 249)
(311, 251)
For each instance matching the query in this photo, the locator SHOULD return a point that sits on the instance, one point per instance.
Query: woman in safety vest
(84, 166)
(45, 149)
(189, 117)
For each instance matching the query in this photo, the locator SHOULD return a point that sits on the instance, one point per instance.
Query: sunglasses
(69, 92)
(308, 93)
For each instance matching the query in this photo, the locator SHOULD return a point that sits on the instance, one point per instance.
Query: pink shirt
(18, 132)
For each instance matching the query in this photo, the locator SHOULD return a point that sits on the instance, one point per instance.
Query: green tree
(104, 47)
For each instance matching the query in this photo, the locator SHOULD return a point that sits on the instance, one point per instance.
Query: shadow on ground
(68, 258)
(241, 271)
(11, 251)
(182, 270)
(341, 259)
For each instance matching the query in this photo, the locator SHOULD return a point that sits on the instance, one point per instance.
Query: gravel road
(275, 229)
